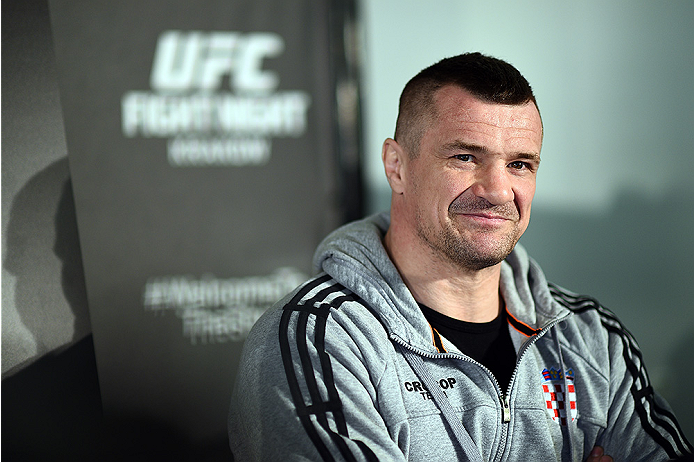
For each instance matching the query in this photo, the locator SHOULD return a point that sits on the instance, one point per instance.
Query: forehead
(458, 110)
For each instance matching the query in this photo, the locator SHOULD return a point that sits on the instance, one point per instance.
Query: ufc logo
(198, 60)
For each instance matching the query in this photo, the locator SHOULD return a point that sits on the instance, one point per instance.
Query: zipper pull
(506, 408)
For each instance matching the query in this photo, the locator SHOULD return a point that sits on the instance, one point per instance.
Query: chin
(471, 257)
(481, 262)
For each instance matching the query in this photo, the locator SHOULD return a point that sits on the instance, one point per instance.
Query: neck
(460, 293)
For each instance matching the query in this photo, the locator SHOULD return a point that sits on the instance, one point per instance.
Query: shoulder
(587, 309)
(593, 328)
(321, 313)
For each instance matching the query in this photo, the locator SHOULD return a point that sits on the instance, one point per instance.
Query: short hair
(487, 78)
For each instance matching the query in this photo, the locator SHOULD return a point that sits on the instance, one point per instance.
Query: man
(429, 335)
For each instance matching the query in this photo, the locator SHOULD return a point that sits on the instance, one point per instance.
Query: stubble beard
(481, 249)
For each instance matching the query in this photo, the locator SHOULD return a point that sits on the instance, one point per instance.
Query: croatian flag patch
(561, 403)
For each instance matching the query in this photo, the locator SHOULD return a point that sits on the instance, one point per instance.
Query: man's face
(471, 186)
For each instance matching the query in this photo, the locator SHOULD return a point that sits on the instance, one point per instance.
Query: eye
(519, 165)
(464, 157)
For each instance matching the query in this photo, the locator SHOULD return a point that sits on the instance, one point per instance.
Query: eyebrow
(475, 148)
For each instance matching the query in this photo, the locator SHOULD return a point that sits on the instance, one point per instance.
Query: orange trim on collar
(520, 326)
(436, 338)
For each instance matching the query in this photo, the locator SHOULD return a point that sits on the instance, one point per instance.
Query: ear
(393, 157)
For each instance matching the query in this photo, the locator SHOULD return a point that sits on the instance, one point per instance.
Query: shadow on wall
(54, 394)
(52, 405)
(43, 255)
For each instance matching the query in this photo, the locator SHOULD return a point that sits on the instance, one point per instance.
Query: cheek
(434, 190)
(449, 187)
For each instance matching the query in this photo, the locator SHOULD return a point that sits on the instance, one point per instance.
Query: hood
(354, 256)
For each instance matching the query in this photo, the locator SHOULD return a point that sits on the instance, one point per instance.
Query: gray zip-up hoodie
(347, 368)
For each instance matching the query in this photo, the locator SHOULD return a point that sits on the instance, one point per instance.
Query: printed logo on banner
(205, 124)
(218, 310)
(561, 403)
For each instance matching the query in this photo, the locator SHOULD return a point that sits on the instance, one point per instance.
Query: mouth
(485, 219)
(486, 215)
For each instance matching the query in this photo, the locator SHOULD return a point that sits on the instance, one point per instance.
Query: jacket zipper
(504, 399)
(507, 408)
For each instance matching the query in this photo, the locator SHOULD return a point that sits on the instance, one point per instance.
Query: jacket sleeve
(303, 391)
(640, 426)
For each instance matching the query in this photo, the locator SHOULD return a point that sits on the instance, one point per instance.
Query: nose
(494, 184)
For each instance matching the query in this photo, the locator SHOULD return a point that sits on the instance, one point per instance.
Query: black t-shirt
(488, 343)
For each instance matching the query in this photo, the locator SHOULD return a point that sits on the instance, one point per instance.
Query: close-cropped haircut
(489, 79)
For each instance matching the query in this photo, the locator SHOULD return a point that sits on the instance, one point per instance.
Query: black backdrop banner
(211, 145)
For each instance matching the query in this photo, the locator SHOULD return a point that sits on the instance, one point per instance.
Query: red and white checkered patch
(560, 404)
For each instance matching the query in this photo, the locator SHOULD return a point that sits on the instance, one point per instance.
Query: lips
(486, 216)
(484, 220)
